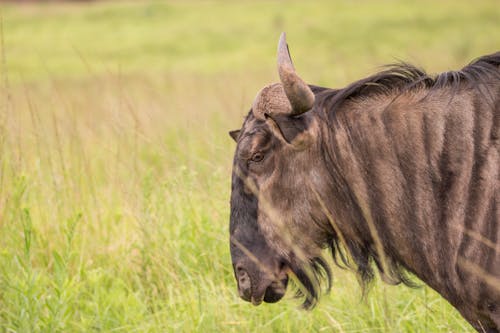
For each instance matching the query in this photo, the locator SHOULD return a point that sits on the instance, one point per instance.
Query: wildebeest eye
(257, 157)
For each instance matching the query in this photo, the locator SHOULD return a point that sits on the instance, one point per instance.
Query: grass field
(115, 160)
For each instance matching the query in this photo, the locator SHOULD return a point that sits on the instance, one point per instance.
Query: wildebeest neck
(416, 175)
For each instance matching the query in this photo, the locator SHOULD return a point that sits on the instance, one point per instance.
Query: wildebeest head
(279, 139)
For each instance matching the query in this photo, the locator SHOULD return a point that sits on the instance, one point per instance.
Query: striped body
(397, 172)
(423, 169)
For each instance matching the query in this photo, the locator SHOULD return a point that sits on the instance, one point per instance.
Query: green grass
(115, 160)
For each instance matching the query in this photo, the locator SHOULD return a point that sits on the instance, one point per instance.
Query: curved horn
(298, 92)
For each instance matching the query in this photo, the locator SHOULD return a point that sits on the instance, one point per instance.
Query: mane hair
(316, 275)
(403, 77)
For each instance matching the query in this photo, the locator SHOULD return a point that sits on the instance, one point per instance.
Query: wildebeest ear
(289, 127)
(235, 134)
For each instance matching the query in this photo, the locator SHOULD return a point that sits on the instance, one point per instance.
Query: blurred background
(115, 160)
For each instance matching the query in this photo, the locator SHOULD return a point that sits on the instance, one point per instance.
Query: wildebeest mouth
(272, 294)
(256, 286)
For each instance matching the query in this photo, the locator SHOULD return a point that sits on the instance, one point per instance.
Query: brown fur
(400, 169)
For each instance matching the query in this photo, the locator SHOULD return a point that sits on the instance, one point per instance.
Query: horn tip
(282, 39)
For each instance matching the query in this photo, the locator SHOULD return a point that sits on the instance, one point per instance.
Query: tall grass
(115, 159)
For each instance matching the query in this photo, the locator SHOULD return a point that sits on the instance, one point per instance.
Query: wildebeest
(397, 172)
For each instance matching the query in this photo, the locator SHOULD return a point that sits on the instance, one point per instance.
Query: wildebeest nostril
(238, 268)
(244, 283)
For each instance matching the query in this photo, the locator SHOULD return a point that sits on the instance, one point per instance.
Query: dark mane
(404, 77)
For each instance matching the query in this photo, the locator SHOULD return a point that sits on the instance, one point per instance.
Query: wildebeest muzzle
(259, 281)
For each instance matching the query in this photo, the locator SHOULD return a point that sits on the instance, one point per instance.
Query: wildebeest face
(267, 207)
(258, 269)
(269, 203)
